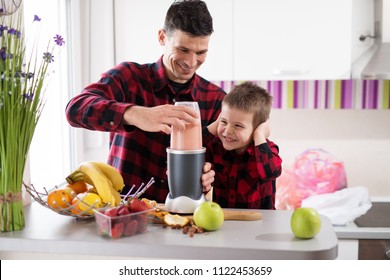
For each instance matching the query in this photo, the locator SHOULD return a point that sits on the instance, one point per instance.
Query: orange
(78, 186)
(70, 191)
(58, 199)
(75, 206)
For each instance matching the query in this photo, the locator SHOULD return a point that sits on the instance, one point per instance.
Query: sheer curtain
(49, 157)
(88, 30)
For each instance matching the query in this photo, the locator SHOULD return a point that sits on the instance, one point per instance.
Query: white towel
(342, 206)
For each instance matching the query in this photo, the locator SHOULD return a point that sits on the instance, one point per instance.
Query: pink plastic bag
(315, 171)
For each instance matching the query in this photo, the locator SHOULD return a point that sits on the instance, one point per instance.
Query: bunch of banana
(106, 180)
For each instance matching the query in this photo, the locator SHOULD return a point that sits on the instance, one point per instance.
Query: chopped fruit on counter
(175, 220)
(150, 203)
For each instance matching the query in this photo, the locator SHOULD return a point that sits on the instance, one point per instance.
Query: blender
(186, 158)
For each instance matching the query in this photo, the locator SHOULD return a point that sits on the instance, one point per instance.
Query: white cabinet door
(219, 62)
(257, 39)
(283, 39)
(136, 29)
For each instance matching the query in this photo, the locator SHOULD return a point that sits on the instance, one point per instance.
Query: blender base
(182, 204)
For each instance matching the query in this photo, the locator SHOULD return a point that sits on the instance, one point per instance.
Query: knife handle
(240, 215)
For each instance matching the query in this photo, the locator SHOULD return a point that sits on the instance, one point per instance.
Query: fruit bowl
(123, 225)
(74, 209)
(41, 198)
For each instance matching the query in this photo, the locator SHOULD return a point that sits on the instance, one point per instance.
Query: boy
(245, 161)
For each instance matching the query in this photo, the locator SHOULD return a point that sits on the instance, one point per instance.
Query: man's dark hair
(189, 16)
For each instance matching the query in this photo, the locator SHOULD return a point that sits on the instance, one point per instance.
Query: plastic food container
(125, 225)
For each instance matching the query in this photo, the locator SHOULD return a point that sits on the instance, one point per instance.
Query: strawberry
(123, 210)
(111, 212)
(136, 205)
(131, 228)
(117, 230)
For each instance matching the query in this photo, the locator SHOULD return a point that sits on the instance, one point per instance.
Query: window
(49, 158)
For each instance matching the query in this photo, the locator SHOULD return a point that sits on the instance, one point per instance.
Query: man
(135, 103)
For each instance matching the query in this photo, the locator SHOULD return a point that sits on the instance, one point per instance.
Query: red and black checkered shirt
(137, 154)
(245, 180)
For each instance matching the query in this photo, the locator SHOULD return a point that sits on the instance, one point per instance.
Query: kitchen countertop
(352, 231)
(269, 238)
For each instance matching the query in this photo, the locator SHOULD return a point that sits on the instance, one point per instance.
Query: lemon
(175, 220)
(88, 201)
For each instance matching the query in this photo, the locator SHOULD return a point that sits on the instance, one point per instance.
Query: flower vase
(11, 195)
(22, 83)
(12, 212)
(11, 205)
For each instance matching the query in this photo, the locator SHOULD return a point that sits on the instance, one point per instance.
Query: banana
(95, 177)
(112, 174)
(78, 176)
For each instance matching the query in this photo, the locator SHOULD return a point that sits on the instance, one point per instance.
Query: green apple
(209, 215)
(305, 222)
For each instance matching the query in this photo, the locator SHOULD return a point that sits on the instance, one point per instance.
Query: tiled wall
(325, 94)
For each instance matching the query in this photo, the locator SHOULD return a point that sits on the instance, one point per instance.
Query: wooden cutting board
(238, 215)
(229, 214)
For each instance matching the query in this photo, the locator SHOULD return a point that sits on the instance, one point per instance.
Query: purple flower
(36, 18)
(3, 53)
(59, 40)
(2, 28)
(48, 57)
(29, 96)
(20, 74)
(12, 31)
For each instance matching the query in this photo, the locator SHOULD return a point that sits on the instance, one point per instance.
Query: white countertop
(270, 238)
(352, 231)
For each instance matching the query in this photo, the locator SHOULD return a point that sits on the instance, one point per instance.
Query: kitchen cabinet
(297, 40)
(136, 29)
(374, 249)
(259, 39)
(368, 236)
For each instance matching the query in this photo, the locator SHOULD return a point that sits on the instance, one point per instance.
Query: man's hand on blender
(160, 118)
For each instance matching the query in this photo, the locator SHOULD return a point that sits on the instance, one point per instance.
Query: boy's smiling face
(235, 128)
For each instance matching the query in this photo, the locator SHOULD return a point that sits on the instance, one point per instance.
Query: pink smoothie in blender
(189, 138)
(186, 158)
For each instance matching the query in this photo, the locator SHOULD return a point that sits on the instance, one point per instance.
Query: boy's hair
(250, 98)
(189, 16)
